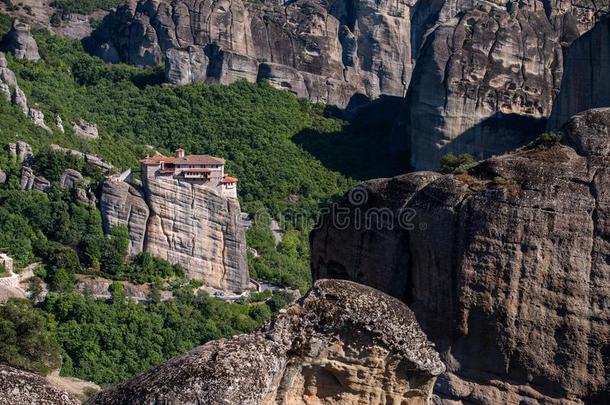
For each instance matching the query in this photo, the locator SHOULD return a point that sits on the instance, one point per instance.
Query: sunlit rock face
(327, 51)
(186, 224)
(344, 343)
(504, 265)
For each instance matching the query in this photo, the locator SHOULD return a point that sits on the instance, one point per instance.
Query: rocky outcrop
(19, 387)
(504, 265)
(9, 86)
(197, 228)
(70, 178)
(85, 130)
(29, 181)
(89, 158)
(20, 42)
(21, 151)
(122, 204)
(189, 225)
(484, 81)
(344, 343)
(587, 67)
(480, 76)
(13, 93)
(37, 118)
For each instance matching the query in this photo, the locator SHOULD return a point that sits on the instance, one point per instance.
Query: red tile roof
(229, 179)
(158, 159)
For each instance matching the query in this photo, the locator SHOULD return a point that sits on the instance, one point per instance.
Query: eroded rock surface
(19, 387)
(327, 51)
(20, 42)
(190, 225)
(504, 266)
(197, 228)
(85, 130)
(122, 204)
(585, 82)
(344, 343)
(484, 81)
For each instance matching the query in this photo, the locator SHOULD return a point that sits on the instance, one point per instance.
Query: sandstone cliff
(484, 81)
(185, 224)
(505, 266)
(327, 51)
(343, 343)
(480, 76)
(585, 81)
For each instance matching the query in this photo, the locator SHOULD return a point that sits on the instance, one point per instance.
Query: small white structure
(197, 169)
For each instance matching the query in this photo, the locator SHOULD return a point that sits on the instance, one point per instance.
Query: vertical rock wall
(189, 225)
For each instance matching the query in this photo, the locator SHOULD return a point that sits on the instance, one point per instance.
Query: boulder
(3, 177)
(27, 178)
(22, 152)
(70, 178)
(343, 343)
(59, 123)
(85, 130)
(504, 264)
(41, 184)
(37, 118)
(19, 387)
(20, 42)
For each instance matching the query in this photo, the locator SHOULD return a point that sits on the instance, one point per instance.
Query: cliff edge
(504, 265)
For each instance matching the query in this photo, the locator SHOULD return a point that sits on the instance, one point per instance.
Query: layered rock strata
(504, 265)
(480, 76)
(325, 51)
(183, 223)
(343, 343)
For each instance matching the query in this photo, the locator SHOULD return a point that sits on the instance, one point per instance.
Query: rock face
(185, 224)
(484, 81)
(70, 178)
(480, 76)
(504, 266)
(326, 51)
(9, 86)
(19, 387)
(20, 42)
(587, 67)
(344, 343)
(199, 229)
(122, 204)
